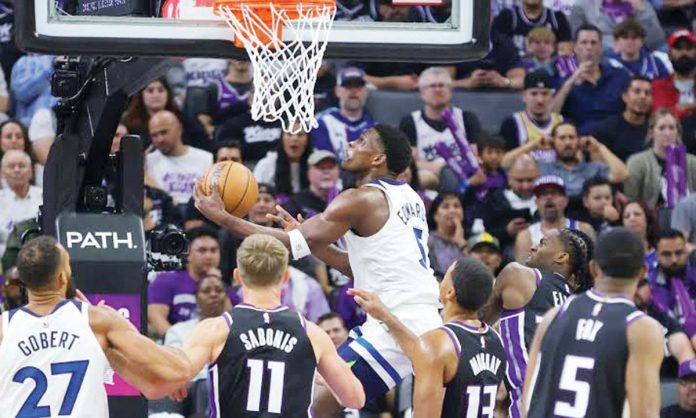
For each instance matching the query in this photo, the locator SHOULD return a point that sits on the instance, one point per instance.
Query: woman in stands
(13, 135)
(640, 219)
(286, 168)
(647, 168)
(447, 240)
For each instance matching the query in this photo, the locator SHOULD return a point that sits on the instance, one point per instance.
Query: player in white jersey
(55, 352)
(383, 222)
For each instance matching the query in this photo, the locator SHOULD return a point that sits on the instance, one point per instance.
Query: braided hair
(580, 249)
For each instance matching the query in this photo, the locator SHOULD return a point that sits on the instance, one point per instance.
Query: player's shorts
(375, 357)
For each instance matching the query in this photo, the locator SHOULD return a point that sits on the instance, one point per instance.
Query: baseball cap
(352, 76)
(683, 33)
(687, 369)
(537, 80)
(483, 239)
(549, 181)
(318, 156)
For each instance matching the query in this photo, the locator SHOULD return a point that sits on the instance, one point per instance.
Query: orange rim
(262, 9)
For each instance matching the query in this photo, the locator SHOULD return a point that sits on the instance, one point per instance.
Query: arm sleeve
(320, 138)
(159, 291)
(577, 16)
(408, 127)
(684, 216)
(508, 130)
(30, 76)
(655, 35)
(564, 32)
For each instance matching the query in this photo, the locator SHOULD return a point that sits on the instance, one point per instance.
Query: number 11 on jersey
(275, 391)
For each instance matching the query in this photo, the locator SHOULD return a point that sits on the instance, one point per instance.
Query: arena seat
(668, 392)
(491, 107)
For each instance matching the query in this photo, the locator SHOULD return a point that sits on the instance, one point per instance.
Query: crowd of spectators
(608, 87)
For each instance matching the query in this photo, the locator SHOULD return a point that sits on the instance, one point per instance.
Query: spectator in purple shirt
(172, 295)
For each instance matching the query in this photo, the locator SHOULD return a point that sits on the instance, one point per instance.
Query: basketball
(236, 184)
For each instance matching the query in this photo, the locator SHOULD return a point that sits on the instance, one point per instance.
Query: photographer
(171, 296)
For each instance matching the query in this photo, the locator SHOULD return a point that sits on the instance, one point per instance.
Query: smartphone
(524, 214)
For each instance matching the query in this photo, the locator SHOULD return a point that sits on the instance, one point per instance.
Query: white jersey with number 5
(51, 366)
(393, 263)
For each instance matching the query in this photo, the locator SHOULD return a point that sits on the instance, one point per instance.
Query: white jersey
(51, 366)
(427, 136)
(394, 263)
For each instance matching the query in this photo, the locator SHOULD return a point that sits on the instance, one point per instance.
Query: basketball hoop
(284, 70)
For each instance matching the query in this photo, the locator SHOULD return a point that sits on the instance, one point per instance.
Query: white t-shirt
(14, 210)
(178, 175)
(204, 71)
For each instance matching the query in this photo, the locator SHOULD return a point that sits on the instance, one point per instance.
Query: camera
(65, 82)
(169, 241)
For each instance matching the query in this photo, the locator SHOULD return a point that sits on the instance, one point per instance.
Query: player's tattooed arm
(534, 358)
(645, 354)
(154, 369)
(513, 288)
(374, 307)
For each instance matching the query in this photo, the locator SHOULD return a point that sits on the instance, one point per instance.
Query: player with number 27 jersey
(51, 366)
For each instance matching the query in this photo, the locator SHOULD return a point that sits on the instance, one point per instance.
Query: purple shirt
(346, 307)
(176, 289)
(662, 293)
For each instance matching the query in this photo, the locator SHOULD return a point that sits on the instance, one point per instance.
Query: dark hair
(201, 231)
(430, 216)
(210, 276)
(580, 249)
(415, 179)
(491, 141)
(652, 228)
(228, 143)
(587, 27)
(283, 178)
(137, 117)
(38, 262)
(473, 283)
(670, 233)
(594, 182)
(563, 123)
(25, 134)
(397, 147)
(619, 253)
(629, 28)
(329, 316)
(636, 77)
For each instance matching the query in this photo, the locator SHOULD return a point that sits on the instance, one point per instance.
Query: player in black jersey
(523, 294)
(598, 350)
(459, 366)
(261, 356)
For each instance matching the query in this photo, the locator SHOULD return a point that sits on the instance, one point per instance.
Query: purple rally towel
(675, 173)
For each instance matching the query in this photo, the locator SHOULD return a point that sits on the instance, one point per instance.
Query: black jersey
(266, 368)
(517, 329)
(515, 24)
(581, 368)
(473, 390)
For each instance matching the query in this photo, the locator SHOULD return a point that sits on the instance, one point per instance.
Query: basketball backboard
(456, 30)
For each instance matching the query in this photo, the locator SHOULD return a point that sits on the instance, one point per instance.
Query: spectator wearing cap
(446, 242)
(593, 91)
(678, 92)
(540, 47)
(501, 68)
(629, 50)
(426, 127)
(551, 203)
(517, 21)
(486, 248)
(506, 212)
(624, 133)
(323, 175)
(686, 394)
(536, 121)
(340, 126)
(647, 168)
(606, 15)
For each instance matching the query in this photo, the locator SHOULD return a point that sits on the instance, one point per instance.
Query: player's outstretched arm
(532, 367)
(645, 353)
(374, 307)
(513, 289)
(345, 387)
(205, 342)
(434, 364)
(154, 369)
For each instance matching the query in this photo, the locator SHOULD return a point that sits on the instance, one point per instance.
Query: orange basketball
(236, 184)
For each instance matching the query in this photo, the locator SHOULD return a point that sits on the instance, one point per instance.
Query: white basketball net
(285, 71)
